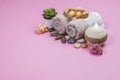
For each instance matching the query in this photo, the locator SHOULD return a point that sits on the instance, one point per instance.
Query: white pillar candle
(96, 34)
(96, 31)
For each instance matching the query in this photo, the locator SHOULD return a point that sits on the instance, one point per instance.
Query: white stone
(67, 37)
(81, 40)
(77, 45)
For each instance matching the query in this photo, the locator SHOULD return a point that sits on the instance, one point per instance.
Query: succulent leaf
(49, 13)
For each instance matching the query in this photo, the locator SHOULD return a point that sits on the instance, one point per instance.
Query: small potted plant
(48, 14)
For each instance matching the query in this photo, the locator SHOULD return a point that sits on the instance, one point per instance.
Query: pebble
(58, 36)
(63, 39)
(67, 37)
(51, 29)
(71, 14)
(78, 14)
(53, 33)
(71, 40)
(77, 45)
(84, 45)
(81, 40)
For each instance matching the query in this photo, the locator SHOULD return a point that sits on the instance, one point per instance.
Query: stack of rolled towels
(75, 27)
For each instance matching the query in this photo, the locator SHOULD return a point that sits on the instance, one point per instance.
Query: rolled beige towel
(76, 28)
(59, 23)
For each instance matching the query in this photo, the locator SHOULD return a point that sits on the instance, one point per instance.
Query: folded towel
(59, 23)
(76, 28)
(93, 18)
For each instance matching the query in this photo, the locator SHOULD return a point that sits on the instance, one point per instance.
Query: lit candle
(96, 34)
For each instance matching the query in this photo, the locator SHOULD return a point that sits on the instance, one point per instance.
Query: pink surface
(25, 55)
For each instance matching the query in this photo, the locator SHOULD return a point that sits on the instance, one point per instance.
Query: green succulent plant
(49, 13)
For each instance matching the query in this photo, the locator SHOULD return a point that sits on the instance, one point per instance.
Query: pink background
(25, 55)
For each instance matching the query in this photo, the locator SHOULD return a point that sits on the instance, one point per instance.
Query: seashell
(41, 28)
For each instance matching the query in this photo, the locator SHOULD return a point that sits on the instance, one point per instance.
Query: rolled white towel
(93, 18)
(76, 28)
(59, 23)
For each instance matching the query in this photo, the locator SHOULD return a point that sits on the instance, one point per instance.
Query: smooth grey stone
(53, 33)
(71, 40)
(51, 29)
(58, 36)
